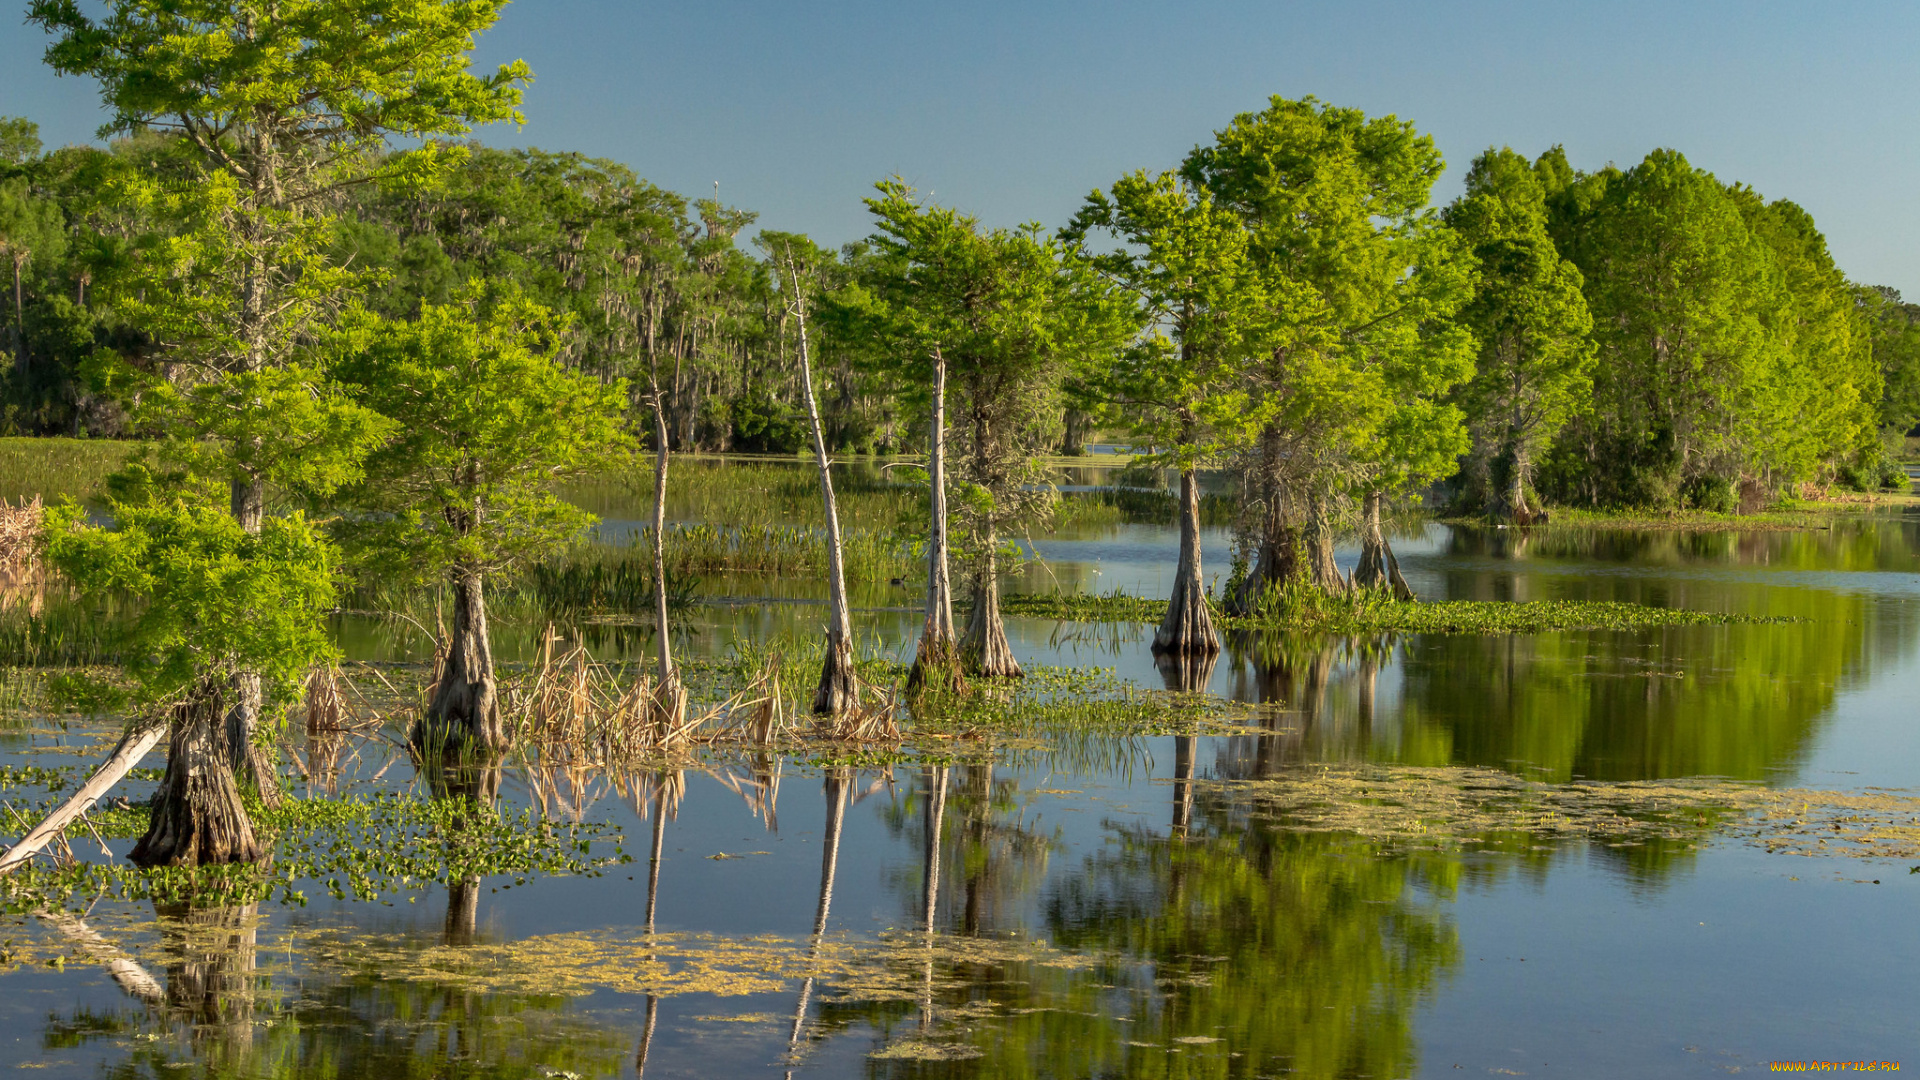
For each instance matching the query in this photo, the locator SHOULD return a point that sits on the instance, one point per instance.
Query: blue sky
(1014, 111)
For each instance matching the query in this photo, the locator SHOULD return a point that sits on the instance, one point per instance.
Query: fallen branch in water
(134, 745)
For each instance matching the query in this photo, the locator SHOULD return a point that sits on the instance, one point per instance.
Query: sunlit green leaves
(488, 421)
(213, 599)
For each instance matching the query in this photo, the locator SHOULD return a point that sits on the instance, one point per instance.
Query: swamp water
(1387, 868)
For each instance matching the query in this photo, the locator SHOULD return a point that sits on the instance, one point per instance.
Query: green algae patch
(1366, 614)
(917, 1049)
(1406, 808)
(889, 968)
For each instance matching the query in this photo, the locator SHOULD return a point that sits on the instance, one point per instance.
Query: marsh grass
(50, 468)
(1299, 607)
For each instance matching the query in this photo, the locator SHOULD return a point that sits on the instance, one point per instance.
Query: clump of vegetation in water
(361, 848)
(1377, 612)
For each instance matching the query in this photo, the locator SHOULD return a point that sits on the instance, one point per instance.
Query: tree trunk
(1371, 573)
(669, 694)
(936, 665)
(465, 709)
(1277, 556)
(1073, 442)
(1277, 561)
(985, 647)
(1188, 627)
(1322, 571)
(250, 763)
(837, 692)
(197, 817)
(1378, 568)
(1517, 488)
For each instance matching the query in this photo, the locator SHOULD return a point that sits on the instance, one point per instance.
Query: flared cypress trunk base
(463, 709)
(252, 764)
(984, 650)
(198, 818)
(1378, 568)
(1322, 570)
(838, 691)
(1188, 626)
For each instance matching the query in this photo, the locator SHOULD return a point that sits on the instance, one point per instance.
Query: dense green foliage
(1648, 337)
(1734, 360)
(210, 599)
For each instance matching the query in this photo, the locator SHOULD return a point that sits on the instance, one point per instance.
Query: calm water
(1118, 911)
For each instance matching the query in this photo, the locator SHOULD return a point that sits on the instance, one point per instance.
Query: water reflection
(1189, 920)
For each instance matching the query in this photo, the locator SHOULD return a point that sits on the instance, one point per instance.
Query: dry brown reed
(872, 718)
(20, 537)
(570, 710)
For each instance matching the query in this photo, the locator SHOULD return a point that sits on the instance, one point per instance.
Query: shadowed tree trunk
(1277, 552)
(1378, 568)
(251, 764)
(1276, 562)
(984, 650)
(1073, 441)
(1322, 571)
(20, 256)
(837, 692)
(936, 665)
(465, 708)
(197, 817)
(1188, 626)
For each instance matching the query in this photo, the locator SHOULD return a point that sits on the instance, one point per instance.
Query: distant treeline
(1643, 337)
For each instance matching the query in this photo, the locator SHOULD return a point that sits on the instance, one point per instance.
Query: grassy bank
(1373, 614)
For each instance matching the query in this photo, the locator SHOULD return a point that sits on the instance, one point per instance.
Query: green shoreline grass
(1378, 616)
